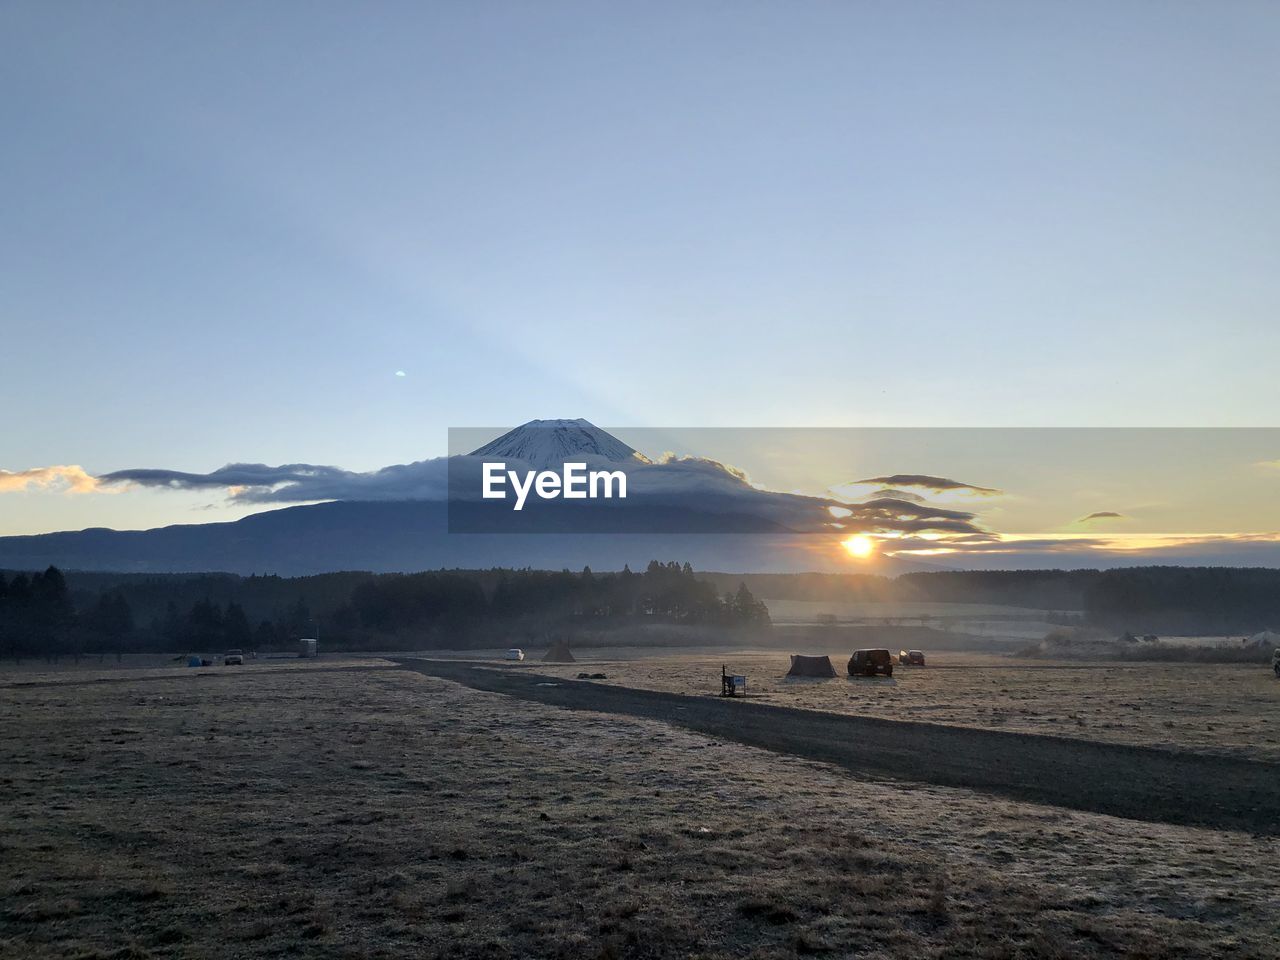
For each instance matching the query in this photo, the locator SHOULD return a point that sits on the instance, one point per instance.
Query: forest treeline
(1162, 600)
(49, 613)
(1062, 590)
(52, 615)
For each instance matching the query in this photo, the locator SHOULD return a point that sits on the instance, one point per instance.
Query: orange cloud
(1048, 543)
(68, 477)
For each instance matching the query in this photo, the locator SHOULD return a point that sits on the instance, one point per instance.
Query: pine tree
(237, 634)
(50, 613)
(109, 622)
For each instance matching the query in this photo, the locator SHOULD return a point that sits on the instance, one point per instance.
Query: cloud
(1090, 551)
(1103, 515)
(69, 477)
(994, 545)
(970, 546)
(694, 483)
(299, 482)
(896, 495)
(908, 516)
(671, 459)
(925, 482)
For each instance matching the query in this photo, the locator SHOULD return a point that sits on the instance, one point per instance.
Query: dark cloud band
(926, 482)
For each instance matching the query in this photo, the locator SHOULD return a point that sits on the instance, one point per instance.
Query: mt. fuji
(410, 517)
(549, 443)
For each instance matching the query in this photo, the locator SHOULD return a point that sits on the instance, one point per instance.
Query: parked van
(870, 663)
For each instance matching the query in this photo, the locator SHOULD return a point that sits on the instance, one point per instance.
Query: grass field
(374, 812)
(1224, 709)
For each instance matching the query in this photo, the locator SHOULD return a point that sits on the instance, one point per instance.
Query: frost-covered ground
(382, 813)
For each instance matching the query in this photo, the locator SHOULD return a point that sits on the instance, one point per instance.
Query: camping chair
(731, 685)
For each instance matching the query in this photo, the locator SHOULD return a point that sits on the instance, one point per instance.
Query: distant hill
(390, 536)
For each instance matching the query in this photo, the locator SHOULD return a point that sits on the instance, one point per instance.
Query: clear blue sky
(225, 227)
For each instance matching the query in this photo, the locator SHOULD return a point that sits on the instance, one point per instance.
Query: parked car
(871, 663)
(515, 653)
(233, 658)
(915, 658)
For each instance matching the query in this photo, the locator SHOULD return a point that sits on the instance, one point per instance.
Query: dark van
(871, 663)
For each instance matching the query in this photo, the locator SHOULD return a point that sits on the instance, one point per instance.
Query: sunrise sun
(859, 546)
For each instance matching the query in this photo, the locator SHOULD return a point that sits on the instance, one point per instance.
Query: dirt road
(1136, 782)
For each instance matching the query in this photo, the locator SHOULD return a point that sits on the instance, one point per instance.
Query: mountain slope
(389, 536)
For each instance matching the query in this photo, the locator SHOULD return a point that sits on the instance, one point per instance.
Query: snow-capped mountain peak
(549, 443)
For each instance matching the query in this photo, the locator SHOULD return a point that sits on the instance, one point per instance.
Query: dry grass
(152, 666)
(1224, 709)
(388, 814)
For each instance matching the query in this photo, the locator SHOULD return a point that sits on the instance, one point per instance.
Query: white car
(515, 653)
(233, 658)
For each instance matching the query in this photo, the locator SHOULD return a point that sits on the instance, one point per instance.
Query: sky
(326, 233)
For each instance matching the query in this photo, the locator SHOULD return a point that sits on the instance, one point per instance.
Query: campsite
(360, 807)
(1220, 709)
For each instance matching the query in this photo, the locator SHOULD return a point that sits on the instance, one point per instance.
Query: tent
(559, 652)
(802, 666)
(1264, 639)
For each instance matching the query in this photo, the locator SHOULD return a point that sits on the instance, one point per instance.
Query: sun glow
(859, 546)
